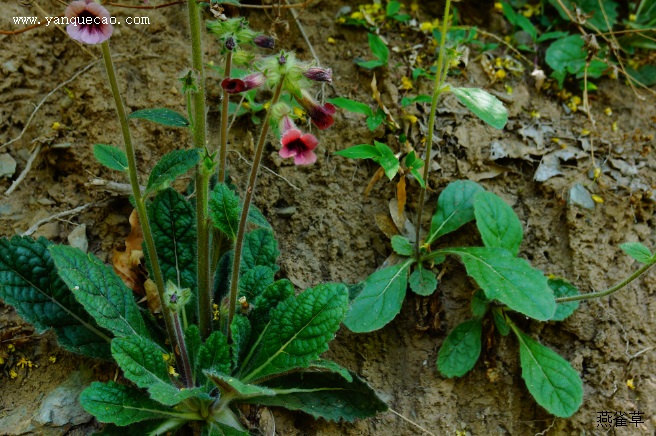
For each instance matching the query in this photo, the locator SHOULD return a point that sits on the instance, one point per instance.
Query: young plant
(374, 119)
(232, 333)
(379, 50)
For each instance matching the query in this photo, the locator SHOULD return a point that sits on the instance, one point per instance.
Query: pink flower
(89, 22)
(319, 74)
(235, 86)
(296, 144)
(321, 115)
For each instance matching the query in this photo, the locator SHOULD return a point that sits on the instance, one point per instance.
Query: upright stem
(177, 341)
(437, 90)
(202, 178)
(223, 149)
(236, 262)
(186, 366)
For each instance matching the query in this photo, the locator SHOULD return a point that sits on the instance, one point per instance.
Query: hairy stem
(437, 90)
(202, 177)
(141, 205)
(223, 149)
(609, 291)
(184, 355)
(236, 262)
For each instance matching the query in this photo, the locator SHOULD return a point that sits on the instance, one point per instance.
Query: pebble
(7, 165)
(286, 211)
(62, 406)
(78, 238)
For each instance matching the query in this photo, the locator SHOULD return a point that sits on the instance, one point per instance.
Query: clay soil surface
(326, 226)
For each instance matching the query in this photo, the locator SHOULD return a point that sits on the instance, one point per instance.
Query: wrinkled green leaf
(484, 105)
(29, 282)
(323, 395)
(460, 349)
(638, 251)
(380, 300)
(562, 288)
(241, 335)
(255, 217)
(260, 248)
(193, 343)
(497, 222)
(142, 362)
(423, 281)
(166, 117)
(509, 279)
(401, 245)
(122, 405)
(455, 207)
(254, 281)
(551, 380)
(170, 167)
(298, 332)
(173, 224)
(100, 291)
(112, 157)
(273, 295)
(224, 210)
(213, 355)
(351, 105)
(329, 365)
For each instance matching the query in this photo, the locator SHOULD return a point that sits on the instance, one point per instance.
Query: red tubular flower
(235, 86)
(321, 115)
(89, 22)
(319, 74)
(296, 144)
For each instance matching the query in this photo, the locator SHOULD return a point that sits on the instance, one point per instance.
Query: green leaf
(566, 55)
(500, 322)
(213, 355)
(455, 207)
(423, 281)
(551, 380)
(497, 222)
(255, 217)
(596, 19)
(274, 294)
(233, 386)
(484, 105)
(380, 300)
(163, 116)
(260, 248)
(376, 119)
(193, 343)
(479, 304)
(173, 224)
(112, 157)
(217, 428)
(370, 65)
(29, 282)
(121, 405)
(562, 288)
(402, 245)
(460, 349)
(254, 281)
(171, 166)
(241, 335)
(150, 427)
(362, 151)
(224, 210)
(638, 251)
(387, 160)
(509, 279)
(414, 164)
(323, 395)
(298, 332)
(351, 105)
(392, 8)
(378, 48)
(100, 291)
(330, 366)
(142, 362)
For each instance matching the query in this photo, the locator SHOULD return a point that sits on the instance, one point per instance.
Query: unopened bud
(230, 43)
(264, 41)
(319, 74)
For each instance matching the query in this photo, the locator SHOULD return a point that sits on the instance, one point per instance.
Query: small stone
(49, 231)
(7, 165)
(45, 201)
(62, 406)
(286, 211)
(78, 238)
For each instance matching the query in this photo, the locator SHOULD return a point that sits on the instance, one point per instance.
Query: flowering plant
(232, 333)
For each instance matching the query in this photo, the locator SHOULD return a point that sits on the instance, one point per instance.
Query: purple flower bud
(235, 86)
(230, 43)
(264, 41)
(321, 115)
(282, 60)
(174, 299)
(319, 74)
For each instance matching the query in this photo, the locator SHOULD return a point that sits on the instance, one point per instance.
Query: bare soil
(332, 235)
